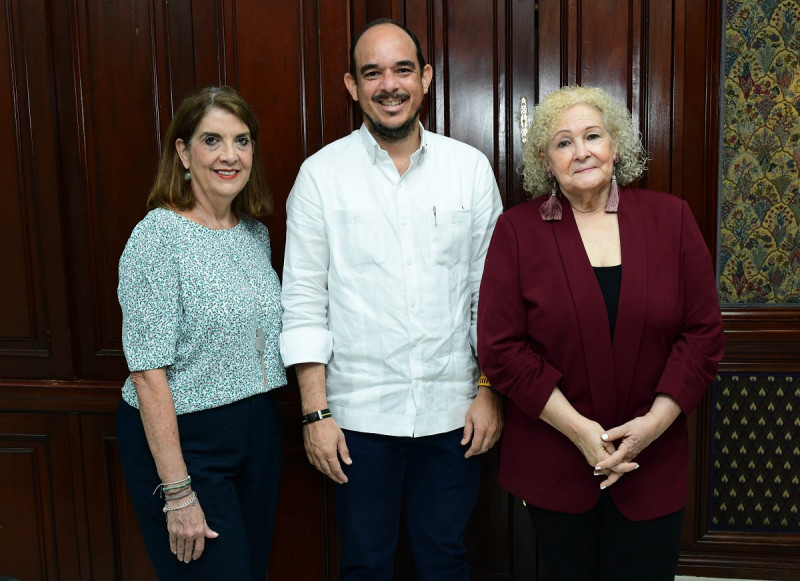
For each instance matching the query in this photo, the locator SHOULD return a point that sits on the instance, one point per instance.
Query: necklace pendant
(261, 341)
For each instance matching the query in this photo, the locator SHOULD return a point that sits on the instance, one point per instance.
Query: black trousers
(603, 545)
(233, 454)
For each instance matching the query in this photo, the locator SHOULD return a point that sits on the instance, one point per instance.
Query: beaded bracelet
(189, 502)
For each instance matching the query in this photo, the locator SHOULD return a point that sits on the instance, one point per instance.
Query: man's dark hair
(376, 22)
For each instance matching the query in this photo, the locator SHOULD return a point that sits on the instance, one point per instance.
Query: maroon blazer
(542, 323)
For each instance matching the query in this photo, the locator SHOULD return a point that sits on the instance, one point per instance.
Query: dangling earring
(187, 176)
(551, 209)
(613, 194)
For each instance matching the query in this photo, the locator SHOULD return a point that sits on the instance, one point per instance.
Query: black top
(610, 280)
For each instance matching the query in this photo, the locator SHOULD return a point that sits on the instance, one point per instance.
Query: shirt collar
(373, 149)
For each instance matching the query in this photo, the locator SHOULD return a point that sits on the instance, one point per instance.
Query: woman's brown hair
(170, 190)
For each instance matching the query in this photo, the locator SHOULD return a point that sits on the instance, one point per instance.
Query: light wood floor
(686, 578)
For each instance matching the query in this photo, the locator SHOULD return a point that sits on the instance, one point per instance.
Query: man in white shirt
(387, 231)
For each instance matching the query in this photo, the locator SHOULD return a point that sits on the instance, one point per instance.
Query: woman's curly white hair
(616, 118)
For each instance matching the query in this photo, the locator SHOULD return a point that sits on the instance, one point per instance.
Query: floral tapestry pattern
(759, 246)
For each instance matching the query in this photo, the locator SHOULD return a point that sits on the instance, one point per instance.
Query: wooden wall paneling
(758, 341)
(186, 67)
(652, 79)
(505, 130)
(37, 512)
(426, 19)
(603, 48)
(365, 10)
(227, 40)
(528, 65)
(550, 25)
(34, 333)
(21, 535)
(119, 75)
(693, 50)
(569, 41)
(305, 547)
(336, 106)
(274, 82)
(697, 94)
(298, 91)
(470, 32)
(206, 62)
(117, 547)
(761, 340)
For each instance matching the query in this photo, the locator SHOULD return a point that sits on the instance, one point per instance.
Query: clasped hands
(611, 453)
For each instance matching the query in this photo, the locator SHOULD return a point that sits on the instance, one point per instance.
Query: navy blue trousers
(233, 454)
(604, 545)
(428, 477)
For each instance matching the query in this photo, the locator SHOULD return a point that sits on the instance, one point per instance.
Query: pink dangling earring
(551, 209)
(613, 194)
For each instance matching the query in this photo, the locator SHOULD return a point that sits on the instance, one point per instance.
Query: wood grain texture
(91, 87)
(34, 335)
(37, 513)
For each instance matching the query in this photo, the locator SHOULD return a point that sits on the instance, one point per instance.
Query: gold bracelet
(483, 381)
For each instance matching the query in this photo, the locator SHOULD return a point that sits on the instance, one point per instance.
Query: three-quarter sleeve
(504, 350)
(149, 295)
(695, 355)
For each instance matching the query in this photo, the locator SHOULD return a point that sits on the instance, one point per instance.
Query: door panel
(34, 333)
(38, 517)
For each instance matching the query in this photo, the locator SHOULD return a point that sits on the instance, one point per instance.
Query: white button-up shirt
(381, 279)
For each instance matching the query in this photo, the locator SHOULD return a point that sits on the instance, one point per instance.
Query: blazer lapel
(632, 298)
(592, 319)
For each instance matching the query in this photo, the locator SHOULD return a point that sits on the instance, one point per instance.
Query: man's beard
(392, 134)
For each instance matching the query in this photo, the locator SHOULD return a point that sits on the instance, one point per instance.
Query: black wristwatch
(316, 416)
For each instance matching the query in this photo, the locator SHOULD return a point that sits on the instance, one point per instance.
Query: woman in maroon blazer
(599, 321)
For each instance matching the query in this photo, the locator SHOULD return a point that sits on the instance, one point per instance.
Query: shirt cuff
(306, 346)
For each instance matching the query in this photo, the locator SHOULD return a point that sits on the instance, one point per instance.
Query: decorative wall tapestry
(759, 245)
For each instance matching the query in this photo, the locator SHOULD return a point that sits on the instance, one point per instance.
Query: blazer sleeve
(694, 357)
(506, 356)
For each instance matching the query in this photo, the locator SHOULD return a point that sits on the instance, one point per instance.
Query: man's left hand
(484, 422)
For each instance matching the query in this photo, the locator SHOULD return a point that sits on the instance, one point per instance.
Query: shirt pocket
(449, 237)
(359, 237)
